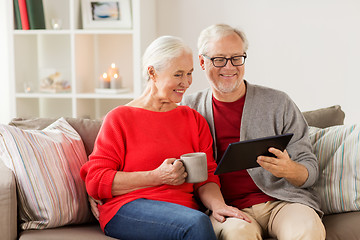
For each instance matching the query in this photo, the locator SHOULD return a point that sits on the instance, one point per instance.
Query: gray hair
(161, 51)
(216, 32)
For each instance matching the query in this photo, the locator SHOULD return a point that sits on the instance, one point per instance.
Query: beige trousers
(276, 219)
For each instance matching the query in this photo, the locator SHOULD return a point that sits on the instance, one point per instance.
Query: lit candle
(113, 70)
(116, 81)
(56, 23)
(113, 73)
(104, 81)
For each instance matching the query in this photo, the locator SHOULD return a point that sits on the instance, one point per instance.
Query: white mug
(195, 166)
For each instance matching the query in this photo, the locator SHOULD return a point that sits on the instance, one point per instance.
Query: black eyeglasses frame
(227, 59)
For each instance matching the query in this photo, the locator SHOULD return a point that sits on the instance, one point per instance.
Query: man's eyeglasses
(222, 61)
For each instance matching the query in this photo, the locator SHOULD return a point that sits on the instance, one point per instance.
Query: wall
(309, 49)
(5, 111)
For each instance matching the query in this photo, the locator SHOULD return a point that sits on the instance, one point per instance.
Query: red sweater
(134, 139)
(237, 187)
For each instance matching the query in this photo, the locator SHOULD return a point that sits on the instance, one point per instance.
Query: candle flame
(116, 75)
(113, 65)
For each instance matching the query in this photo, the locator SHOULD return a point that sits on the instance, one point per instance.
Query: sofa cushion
(47, 166)
(78, 232)
(325, 117)
(87, 129)
(342, 226)
(337, 149)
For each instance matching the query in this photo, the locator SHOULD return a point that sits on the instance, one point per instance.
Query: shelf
(81, 56)
(86, 31)
(43, 95)
(41, 32)
(78, 31)
(105, 96)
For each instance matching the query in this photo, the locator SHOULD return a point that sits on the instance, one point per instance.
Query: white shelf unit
(81, 56)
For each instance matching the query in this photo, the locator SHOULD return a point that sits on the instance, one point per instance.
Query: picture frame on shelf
(106, 14)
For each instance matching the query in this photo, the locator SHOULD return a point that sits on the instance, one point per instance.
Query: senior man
(278, 196)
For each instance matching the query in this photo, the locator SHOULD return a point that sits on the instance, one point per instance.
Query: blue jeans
(148, 219)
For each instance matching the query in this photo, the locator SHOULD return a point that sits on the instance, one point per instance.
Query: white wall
(5, 111)
(309, 49)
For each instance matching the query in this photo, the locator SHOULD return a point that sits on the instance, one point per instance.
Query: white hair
(161, 51)
(217, 31)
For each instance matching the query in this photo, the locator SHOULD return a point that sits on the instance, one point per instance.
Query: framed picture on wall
(106, 14)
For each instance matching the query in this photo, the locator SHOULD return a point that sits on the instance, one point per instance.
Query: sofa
(341, 225)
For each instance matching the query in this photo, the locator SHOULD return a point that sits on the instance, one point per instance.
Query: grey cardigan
(269, 112)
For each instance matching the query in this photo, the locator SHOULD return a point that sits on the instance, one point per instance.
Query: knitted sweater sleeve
(106, 159)
(206, 146)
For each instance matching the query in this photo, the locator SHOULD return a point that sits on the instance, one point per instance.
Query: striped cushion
(338, 151)
(46, 165)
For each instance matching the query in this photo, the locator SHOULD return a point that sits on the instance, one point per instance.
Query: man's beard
(226, 87)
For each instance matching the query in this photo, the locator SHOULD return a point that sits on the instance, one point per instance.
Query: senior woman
(132, 168)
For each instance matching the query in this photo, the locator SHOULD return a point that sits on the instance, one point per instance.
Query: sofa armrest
(8, 204)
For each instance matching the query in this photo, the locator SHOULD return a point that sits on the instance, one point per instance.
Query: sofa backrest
(325, 117)
(87, 129)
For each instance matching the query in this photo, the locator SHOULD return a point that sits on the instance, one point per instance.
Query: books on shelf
(36, 14)
(29, 14)
(23, 14)
(17, 17)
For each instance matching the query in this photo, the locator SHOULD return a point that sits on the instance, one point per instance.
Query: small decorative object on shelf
(28, 87)
(54, 83)
(56, 23)
(110, 81)
(115, 79)
(105, 81)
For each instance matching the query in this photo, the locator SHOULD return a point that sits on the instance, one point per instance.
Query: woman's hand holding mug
(171, 172)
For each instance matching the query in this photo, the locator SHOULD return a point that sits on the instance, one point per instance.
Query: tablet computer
(242, 155)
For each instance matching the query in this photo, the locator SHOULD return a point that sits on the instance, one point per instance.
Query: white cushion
(47, 166)
(338, 151)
